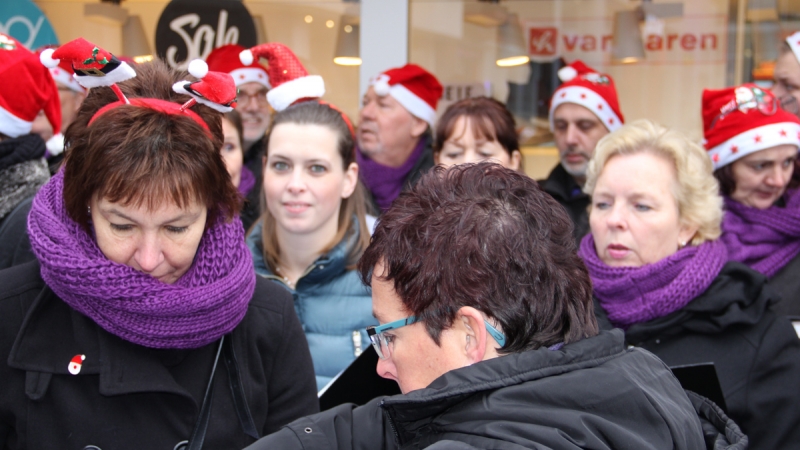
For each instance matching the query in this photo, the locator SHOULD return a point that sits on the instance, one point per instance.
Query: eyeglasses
(789, 104)
(243, 98)
(381, 342)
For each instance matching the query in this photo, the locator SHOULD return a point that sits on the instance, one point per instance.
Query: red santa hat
(63, 74)
(594, 91)
(216, 90)
(738, 121)
(226, 59)
(413, 87)
(290, 80)
(27, 89)
(93, 66)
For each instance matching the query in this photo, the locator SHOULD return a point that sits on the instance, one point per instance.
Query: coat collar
(561, 185)
(52, 333)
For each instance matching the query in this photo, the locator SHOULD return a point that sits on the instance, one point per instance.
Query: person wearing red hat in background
(753, 143)
(787, 74)
(583, 110)
(394, 131)
(252, 81)
(71, 95)
(26, 88)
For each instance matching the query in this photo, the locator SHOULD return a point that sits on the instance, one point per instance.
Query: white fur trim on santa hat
(283, 96)
(590, 100)
(567, 73)
(13, 126)
(65, 79)
(55, 145)
(413, 104)
(751, 141)
(250, 75)
(180, 89)
(121, 73)
(794, 43)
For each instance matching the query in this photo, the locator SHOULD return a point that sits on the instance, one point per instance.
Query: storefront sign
(25, 22)
(456, 92)
(698, 39)
(190, 29)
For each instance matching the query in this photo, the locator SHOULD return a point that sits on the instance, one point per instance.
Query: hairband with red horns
(95, 67)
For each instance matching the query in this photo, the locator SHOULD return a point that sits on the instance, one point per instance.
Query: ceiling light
(134, 40)
(347, 44)
(511, 48)
(308, 19)
(627, 45)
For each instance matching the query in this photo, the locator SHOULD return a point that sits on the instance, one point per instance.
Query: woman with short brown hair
(143, 288)
(476, 129)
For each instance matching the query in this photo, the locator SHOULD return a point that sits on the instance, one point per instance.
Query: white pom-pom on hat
(198, 68)
(381, 86)
(246, 57)
(567, 73)
(46, 57)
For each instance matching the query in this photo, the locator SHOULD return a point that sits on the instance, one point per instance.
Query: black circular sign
(190, 29)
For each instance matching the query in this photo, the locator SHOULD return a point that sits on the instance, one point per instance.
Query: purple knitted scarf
(385, 183)
(208, 301)
(246, 181)
(632, 295)
(764, 239)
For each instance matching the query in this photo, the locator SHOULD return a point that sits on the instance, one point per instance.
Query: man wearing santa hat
(252, 81)
(394, 140)
(583, 110)
(71, 95)
(26, 88)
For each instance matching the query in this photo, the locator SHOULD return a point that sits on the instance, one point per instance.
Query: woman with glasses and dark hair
(660, 272)
(488, 327)
(753, 144)
(477, 129)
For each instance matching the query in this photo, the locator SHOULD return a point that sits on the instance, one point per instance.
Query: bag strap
(237, 390)
(199, 432)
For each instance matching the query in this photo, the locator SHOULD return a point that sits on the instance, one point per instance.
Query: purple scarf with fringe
(632, 295)
(764, 239)
(208, 301)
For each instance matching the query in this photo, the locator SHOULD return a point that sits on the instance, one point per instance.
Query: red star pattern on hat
(226, 59)
(586, 87)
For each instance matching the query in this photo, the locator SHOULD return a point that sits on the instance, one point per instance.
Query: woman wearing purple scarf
(753, 144)
(141, 324)
(660, 273)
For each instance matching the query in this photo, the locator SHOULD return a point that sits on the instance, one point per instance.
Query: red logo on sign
(543, 41)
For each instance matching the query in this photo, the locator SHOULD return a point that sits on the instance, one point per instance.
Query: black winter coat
(131, 397)
(594, 393)
(563, 188)
(756, 352)
(787, 284)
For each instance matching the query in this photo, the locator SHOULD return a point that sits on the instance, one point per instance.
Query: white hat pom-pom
(198, 68)
(246, 57)
(381, 86)
(46, 57)
(567, 73)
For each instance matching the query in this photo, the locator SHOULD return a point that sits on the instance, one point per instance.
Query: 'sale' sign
(190, 29)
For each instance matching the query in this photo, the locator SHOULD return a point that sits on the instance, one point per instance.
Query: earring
(89, 210)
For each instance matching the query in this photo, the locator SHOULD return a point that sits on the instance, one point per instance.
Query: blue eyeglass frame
(378, 330)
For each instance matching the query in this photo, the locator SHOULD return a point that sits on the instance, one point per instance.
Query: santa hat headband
(594, 91)
(226, 59)
(63, 74)
(794, 43)
(28, 89)
(290, 81)
(738, 121)
(413, 87)
(215, 90)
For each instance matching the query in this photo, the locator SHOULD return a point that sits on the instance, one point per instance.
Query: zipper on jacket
(357, 348)
(391, 422)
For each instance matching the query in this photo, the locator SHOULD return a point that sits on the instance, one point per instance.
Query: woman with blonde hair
(660, 273)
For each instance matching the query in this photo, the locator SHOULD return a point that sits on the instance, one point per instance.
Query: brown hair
(488, 237)
(490, 120)
(140, 156)
(352, 208)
